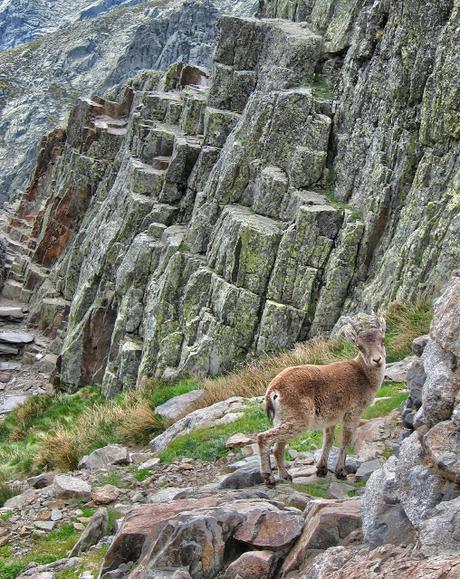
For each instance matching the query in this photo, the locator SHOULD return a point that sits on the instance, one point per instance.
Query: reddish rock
(195, 534)
(239, 440)
(253, 565)
(105, 495)
(270, 530)
(328, 523)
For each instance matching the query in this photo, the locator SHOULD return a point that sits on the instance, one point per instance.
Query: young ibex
(318, 397)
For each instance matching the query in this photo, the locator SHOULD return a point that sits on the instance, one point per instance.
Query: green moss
(321, 88)
(209, 443)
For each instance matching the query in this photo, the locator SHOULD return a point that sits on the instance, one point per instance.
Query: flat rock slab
(10, 402)
(70, 487)
(11, 313)
(20, 338)
(179, 405)
(8, 350)
(10, 366)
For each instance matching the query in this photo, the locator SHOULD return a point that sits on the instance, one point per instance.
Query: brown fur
(311, 397)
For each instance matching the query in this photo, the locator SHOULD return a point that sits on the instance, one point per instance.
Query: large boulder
(71, 487)
(385, 561)
(219, 413)
(384, 519)
(328, 523)
(199, 535)
(441, 532)
(111, 454)
(179, 405)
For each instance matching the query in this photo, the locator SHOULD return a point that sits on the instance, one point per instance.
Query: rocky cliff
(40, 81)
(197, 220)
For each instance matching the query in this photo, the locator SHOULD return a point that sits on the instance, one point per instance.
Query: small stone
(45, 525)
(149, 464)
(247, 476)
(44, 516)
(367, 468)
(338, 490)
(252, 565)
(56, 515)
(186, 466)
(79, 526)
(351, 463)
(105, 495)
(303, 471)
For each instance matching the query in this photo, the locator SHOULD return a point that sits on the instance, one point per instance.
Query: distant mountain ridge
(23, 21)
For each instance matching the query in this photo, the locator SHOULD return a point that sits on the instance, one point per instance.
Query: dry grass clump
(129, 421)
(404, 323)
(253, 378)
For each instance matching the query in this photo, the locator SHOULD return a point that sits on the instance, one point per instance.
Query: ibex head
(369, 341)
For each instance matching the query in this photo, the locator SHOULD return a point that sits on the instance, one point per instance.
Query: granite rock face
(180, 228)
(416, 494)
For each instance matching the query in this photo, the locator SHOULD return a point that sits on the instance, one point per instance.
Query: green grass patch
(209, 443)
(356, 486)
(52, 547)
(317, 489)
(91, 561)
(142, 474)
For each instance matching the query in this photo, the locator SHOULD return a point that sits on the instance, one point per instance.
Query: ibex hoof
(269, 480)
(341, 474)
(321, 471)
(285, 476)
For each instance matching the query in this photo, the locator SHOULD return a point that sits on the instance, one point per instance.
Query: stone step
(12, 290)
(34, 276)
(11, 313)
(8, 350)
(192, 120)
(161, 163)
(16, 247)
(20, 338)
(146, 179)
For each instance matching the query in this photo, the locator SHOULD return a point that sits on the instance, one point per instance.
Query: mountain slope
(22, 21)
(39, 81)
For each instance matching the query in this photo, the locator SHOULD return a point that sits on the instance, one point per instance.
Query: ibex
(318, 397)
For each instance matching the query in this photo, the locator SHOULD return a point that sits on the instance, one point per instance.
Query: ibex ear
(382, 324)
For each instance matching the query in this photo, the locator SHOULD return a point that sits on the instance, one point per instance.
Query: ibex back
(318, 397)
